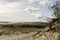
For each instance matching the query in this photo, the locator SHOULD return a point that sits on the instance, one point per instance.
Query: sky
(26, 10)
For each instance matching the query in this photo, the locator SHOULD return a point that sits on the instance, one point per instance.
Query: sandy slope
(16, 36)
(29, 36)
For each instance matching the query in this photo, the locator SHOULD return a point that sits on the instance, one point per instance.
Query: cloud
(21, 10)
(43, 2)
(14, 11)
(10, 9)
(33, 11)
(10, 0)
(31, 1)
(43, 8)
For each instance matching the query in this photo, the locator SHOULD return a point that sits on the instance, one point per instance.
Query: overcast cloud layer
(25, 10)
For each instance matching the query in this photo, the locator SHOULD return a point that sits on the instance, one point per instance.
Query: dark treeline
(34, 25)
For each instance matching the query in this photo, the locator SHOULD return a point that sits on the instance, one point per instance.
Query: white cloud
(13, 10)
(43, 2)
(31, 1)
(33, 11)
(29, 9)
(9, 6)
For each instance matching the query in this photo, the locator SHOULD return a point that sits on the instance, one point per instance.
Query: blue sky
(26, 10)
